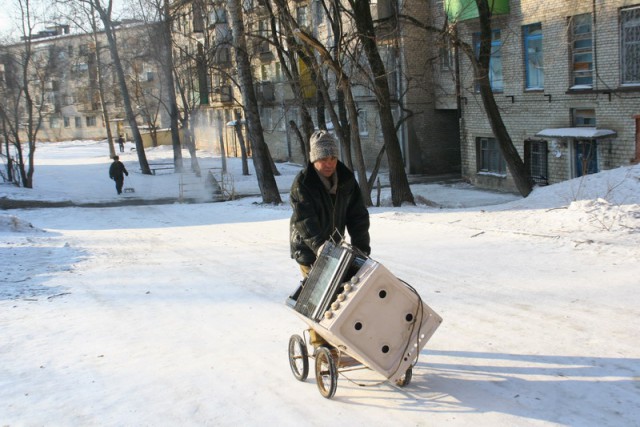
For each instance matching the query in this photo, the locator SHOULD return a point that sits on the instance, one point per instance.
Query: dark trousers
(119, 183)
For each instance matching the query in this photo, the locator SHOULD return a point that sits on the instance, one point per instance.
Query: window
(80, 68)
(218, 15)
(282, 120)
(446, 56)
(319, 9)
(67, 122)
(581, 52)
(263, 28)
(363, 126)
(91, 121)
(630, 45)
(265, 118)
(490, 158)
(265, 72)
(495, 63)
(222, 56)
(586, 156)
(247, 5)
(78, 121)
(583, 117)
(301, 16)
(54, 122)
(535, 153)
(533, 63)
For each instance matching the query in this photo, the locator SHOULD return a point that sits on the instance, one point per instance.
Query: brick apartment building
(566, 76)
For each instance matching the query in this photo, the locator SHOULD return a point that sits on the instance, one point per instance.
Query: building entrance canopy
(578, 133)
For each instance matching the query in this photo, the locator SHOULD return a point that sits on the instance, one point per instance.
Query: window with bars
(581, 51)
(630, 45)
(536, 159)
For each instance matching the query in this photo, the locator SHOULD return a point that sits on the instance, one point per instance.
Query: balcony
(265, 92)
(462, 10)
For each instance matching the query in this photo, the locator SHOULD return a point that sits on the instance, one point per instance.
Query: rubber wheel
(298, 357)
(404, 380)
(326, 372)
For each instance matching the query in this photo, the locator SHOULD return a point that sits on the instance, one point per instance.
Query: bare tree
(260, 153)
(23, 95)
(89, 13)
(400, 189)
(512, 158)
(104, 12)
(480, 63)
(344, 83)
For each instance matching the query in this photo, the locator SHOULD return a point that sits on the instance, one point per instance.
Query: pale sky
(5, 20)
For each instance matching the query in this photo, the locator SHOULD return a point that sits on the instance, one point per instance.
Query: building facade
(428, 125)
(566, 77)
(67, 72)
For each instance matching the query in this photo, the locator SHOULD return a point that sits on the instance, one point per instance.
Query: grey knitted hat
(322, 145)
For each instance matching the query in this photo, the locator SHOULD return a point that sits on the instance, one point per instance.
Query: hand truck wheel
(298, 357)
(404, 380)
(326, 372)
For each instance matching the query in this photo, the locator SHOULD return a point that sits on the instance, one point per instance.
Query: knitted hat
(322, 145)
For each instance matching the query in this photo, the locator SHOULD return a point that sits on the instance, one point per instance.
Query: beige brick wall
(533, 111)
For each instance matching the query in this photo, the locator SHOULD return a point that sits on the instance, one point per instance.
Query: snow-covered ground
(174, 314)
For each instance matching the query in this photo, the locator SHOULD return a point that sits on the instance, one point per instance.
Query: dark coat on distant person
(319, 216)
(117, 171)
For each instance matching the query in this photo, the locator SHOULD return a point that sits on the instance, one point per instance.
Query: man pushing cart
(348, 300)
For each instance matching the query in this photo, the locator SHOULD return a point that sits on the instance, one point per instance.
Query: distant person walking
(121, 143)
(117, 171)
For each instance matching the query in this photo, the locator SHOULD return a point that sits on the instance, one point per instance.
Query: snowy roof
(580, 132)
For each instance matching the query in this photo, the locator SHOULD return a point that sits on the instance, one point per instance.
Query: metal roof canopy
(577, 132)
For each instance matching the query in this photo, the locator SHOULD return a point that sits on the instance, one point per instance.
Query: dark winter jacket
(117, 170)
(318, 216)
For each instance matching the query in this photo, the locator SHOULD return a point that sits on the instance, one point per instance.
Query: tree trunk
(241, 142)
(223, 154)
(400, 189)
(512, 158)
(260, 153)
(103, 104)
(122, 83)
(167, 69)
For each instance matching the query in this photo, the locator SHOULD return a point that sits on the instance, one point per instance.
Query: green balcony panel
(461, 10)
